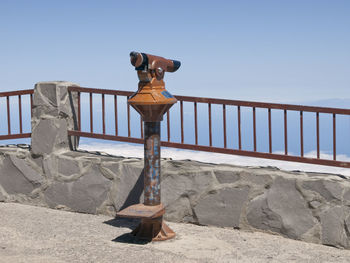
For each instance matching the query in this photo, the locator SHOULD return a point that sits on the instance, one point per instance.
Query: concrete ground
(36, 234)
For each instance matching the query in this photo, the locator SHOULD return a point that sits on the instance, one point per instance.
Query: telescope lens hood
(177, 64)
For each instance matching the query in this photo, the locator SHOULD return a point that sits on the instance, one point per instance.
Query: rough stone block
(128, 185)
(54, 113)
(45, 94)
(177, 184)
(44, 137)
(222, 208)
(287, 208)
(12, 179)
(84, 195)
(328, 190)
(333, 230)
(28, 172)
(67, 167)
(226, 176)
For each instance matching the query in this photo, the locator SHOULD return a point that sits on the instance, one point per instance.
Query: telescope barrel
(142, 61)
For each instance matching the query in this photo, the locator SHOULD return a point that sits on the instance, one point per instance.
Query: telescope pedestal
(152, 226)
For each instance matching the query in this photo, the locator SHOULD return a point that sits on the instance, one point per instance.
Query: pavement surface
(42, 235)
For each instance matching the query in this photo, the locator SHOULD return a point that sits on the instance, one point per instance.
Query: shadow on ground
(130, 239)
(130, 223)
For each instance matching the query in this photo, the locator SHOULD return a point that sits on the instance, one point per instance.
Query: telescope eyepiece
(138, 60)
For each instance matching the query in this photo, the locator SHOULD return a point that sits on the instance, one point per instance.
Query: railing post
(54, 112)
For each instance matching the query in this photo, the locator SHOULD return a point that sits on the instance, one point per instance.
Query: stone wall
(52, 173)
(304, 206)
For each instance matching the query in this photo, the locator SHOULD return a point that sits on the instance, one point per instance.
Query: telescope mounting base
(153, 229)
(152, 226)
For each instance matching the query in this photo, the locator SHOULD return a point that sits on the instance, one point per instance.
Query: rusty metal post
(152, 101)
(152, 164)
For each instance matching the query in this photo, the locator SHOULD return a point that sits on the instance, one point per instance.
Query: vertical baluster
(31, 105)
(103, 115)
(20, 113)
(168, 124)
(301, 135)
(334, 138)
(239, 128)
(254, 128)
(182, 121)
(270, 131)
(318, 134)
(285, 133)
(210, 134)
(116, 114)
(8, 115)
(91, 117)
(224, 123)
(79, 111)
(128, 109)
(195, 123)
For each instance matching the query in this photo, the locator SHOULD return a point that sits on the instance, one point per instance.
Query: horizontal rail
(15, 136)
(225, 101)
(101, 91)
(105, 136)
(16, 93)
(264, 105)
(217, 150)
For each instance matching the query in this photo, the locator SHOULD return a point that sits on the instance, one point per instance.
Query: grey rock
(67, 167)
(260, 216)
(128, 186)
(256, 176)
(44, 137)
(333, 230)
(45, 94)
(315, 204)
(179, 183)
(50, 166)
(62, 135)
(283, 203)
(83, 195)
(54, 113)
(226, 176)
(327, 189)
(12, 180)
(33, 176)
(180, 211)
(222, 208)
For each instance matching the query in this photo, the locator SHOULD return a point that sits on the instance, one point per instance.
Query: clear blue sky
(252, 50)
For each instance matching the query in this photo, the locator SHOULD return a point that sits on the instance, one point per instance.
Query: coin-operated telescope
(151, 100)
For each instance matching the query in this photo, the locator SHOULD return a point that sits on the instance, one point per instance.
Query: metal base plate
(142, 211)
(153, 230)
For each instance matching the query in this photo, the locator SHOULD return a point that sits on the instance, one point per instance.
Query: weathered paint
(152, 163)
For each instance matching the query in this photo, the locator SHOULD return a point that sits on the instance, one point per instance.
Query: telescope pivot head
(150, 66)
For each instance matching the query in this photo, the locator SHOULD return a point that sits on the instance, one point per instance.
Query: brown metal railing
(210, 148)
(18, 94)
